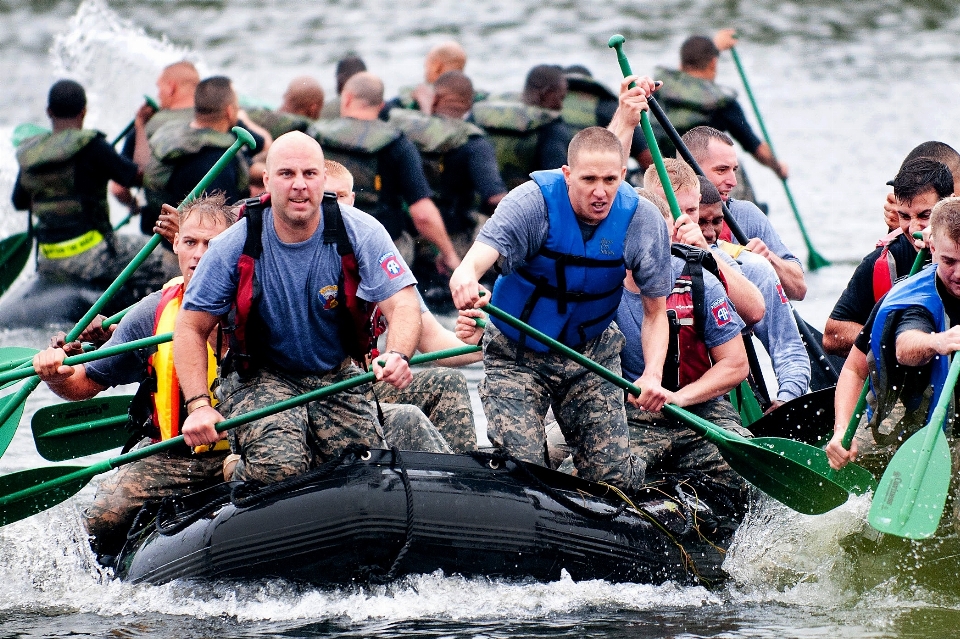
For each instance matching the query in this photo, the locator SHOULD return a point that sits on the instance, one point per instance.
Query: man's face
(719, 166)
(193, 240)
(915, 217)
(711, 221)
(166, 87)
(592, 182)
(689, 202)
(946, 255)
(295, 178)
(343, 188)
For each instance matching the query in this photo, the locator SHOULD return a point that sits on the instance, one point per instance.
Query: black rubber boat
(39, 300)
(372, 516)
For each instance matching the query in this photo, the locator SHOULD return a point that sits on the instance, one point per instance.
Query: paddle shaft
(83, 358)
(233, 422)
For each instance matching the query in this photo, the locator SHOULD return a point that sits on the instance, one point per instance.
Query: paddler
(63, 183)
(300, 316)
(159, 408)
(919, 185)
(905, 346)
(441, 58)
(935, 151)
(347, 67)
(586, 216)
(301, 105)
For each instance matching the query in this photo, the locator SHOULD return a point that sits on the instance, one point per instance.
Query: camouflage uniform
(589, 409)
(286, 444)
(442, 395)
(666, 445)
(121, 495)
(407, 428)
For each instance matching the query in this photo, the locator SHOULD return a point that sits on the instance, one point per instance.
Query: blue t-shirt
(755, 224)
(130, 367)
(299, 284)
(720, 328)
(519, 227)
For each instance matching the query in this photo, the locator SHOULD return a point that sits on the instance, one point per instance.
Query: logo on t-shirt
(391, 265)
(783, 297)
(328, 295)
(721, 312)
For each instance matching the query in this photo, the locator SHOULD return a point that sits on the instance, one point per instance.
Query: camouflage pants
(407, 428)
(442, 395)
(101, 265)
(121, 495)
(665, 445)
(588, 408)
(288, 443)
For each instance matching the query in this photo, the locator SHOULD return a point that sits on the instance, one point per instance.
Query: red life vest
(356, 317)
(687, 356)
(885, 267)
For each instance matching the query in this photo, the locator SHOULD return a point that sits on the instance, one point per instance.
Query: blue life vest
(919, 290)
(570, 289)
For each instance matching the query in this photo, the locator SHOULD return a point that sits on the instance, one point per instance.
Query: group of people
(296, 285)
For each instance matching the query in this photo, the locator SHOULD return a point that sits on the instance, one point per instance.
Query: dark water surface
(846, 88)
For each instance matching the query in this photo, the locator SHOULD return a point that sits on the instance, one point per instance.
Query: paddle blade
(899, 510)
(12, 356)
(854, 479)
(808, 418)
(24, 131)
(789, 482)
(56, 492)
(815, 260)
(14, 404)
(77, 429)
(14, 255)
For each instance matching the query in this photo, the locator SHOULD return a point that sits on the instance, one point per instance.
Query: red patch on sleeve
(391, 265)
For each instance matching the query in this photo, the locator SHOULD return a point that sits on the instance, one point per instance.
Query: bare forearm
(839, 336)
(190, 351)
(77, 387)
(791, 277)
(429, 223)
(622, 126)
(435, 337)
(849, 384)
(654, 335)
(719, 380)
(916, 348)
(743, 293)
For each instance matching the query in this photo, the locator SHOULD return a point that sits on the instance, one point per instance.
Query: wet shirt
(722, 322)
(520, 225)
(469, 170)
(402, 176)
(131, 367)
(857, 301)
(732, 119)
(755, 224)
(299, 286)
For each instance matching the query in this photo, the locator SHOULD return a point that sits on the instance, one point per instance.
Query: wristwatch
(405, 358)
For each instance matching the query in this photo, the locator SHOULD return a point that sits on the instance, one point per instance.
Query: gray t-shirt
(722, 322)
(755, 224)
(520, 224)
(299, 284)
(131, 367)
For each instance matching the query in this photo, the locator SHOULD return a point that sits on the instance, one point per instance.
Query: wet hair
(697, 52)
(337, 170)
(213, 96)
(210, 208)
(698, 139)
(937, 151)
(347, 68)
(543, 79)
(657, 201)
(945, 219)
(593, 139)
(578, 69)
(919, 175)
(66, 99)
(679, 172)
(366, 87)
(708, 192)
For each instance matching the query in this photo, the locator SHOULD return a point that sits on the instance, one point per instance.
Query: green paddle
(15, 356)
(32, 491)
(747, 404)
(814, 259)
(913, 490)
(14, 254)
(77, 429)
(11, 408)
(791, 472)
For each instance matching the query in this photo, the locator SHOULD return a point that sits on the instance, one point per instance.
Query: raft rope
(408, 541)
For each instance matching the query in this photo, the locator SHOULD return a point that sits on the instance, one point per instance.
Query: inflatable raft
(38, 301)
(376, 515)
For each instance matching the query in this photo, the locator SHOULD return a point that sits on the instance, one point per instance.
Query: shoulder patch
(391, 265)
(721, 312)
(783, 296)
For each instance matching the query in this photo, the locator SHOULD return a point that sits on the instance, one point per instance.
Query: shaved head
(304, 97)
(446, 56)
(183, 73)
(294, 142)
(365, 87)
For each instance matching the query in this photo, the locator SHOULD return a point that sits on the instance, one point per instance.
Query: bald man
(442, 58)
(387, 170)
(294, 342)
(302, 104)
(459, 159)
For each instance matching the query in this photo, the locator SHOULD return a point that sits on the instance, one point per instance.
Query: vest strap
(72, 247)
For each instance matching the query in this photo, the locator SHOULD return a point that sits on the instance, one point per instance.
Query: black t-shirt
(856, 301)
(402, 179)
(97, 164)
(552, 142)
(468, 170)
(732, 120)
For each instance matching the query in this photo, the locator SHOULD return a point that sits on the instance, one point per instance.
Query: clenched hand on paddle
(11, 407)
